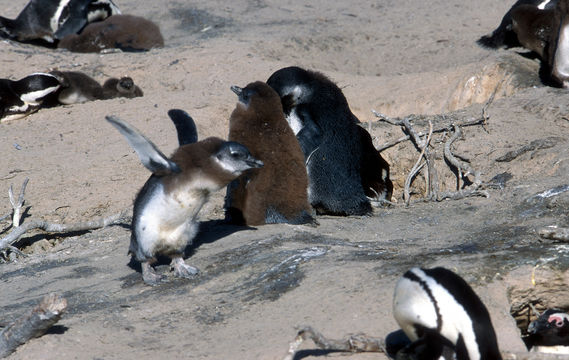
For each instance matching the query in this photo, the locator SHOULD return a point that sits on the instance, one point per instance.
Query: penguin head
(294, 85)
(125, 85)
(35, 87)
(552, 327)
(257, 95)
(236, 158)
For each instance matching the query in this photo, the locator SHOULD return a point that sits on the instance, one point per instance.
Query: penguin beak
(254, 163)
(237, 90)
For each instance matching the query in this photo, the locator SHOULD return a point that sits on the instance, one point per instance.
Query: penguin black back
(436, 308)
(504, 35)
(332, 142)
(19, 98)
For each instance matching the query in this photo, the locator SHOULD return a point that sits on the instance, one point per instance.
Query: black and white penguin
(549, 333)
(504, 36)
(340, 159)
(19, 98)
(165, 210)
(277, 193)
(556, 56)
(124, 32)
(439, 311)
(78, 87)
(52, 20)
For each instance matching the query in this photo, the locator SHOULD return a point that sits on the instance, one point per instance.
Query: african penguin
(557, 52)
(124, 32)
(165, 210)
(504, 36)
(78, 87)
(123, 87)
(438, 311)
(549, 333)
(342, 163)
(51, 20)
(19, 98)
(277, 193)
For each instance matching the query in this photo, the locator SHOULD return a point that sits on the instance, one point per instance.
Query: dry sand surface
(256, 285)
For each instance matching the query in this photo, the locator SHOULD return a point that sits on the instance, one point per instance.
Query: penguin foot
(182, 269)
(149, 276)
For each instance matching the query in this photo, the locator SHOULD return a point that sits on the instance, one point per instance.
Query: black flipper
(185, 126)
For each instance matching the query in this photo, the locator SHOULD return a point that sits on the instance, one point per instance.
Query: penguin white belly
(72, 97)
(168, 222)
(562, 54)
(294, 122)
(555, 349)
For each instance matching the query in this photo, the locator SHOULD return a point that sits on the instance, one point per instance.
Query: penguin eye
(236, 155)
(556, 320)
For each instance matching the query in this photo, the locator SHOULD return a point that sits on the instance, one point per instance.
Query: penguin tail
(491, 41)
(5, 28)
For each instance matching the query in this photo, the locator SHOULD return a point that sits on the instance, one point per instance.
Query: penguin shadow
(301, 354)
(209, 232)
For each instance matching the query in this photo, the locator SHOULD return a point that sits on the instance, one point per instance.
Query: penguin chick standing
(549, 333)
(165, 210)
(438, 310)
(341, 160)
(277, 193)
(19, 98)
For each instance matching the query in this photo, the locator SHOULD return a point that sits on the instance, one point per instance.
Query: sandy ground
(256, 285)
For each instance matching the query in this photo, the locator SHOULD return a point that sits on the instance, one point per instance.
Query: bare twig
(17, 205)
(423, 145)
(353, 343)
(15, 234)
(35, 324)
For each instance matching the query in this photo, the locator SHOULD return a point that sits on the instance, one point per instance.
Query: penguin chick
(439, 311)
(277, 193)
(51, 20)
(123, 87)
(341, 160)
(22, 97)
(549, 333)
(166, 208)
(125, 32)
(77, 87)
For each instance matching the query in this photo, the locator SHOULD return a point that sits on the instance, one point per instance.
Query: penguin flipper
(185, 126)
(310, 136)
(149, 155)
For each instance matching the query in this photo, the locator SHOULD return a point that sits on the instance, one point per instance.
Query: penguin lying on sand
(52, 20)
(78, 87)
(342, 164)
(22, 97)
(549, 333)
(165, 210)
(439, 312)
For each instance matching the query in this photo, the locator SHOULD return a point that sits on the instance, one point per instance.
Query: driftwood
(17, 205)
(353, 343)
(534, 145)
(15, 234)
(34, 324)
(554, 233)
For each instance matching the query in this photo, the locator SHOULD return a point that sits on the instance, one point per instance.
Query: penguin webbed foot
(149, 276)
(181, 269)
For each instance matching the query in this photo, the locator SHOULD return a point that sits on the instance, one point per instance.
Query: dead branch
(423, 145)
(15, 234)
(34, 324)
(463, 170)
(353, 343)
(434, 118)
(554, 233)
(17, 205)
(534, 145)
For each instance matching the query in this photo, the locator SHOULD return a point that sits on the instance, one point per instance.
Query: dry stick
(463, 170)
(397, 122)
(353, 343)
(423, 145)
(17, 206)
(61, 228)
(34, 324)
